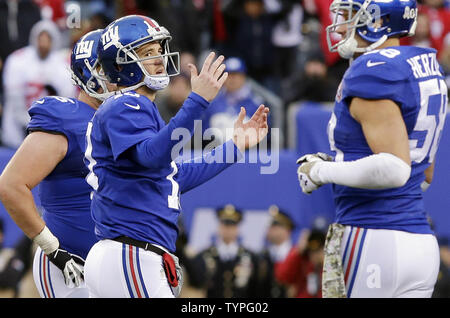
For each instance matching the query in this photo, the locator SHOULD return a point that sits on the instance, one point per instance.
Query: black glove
(71, 265)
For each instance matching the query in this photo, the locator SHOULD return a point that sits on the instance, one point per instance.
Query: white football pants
(387, 264)
(118, 270)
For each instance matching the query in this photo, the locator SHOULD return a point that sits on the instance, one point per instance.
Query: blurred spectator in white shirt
(31, 73)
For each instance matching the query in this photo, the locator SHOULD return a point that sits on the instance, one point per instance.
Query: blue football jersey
(64, 193)
(413, 79)
(140, 201)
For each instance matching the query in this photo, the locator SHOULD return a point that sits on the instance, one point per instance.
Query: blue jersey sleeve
(127, 126)
(47, 115)
(192, 173)
(44, 116)
(375, 76)
(156, 149)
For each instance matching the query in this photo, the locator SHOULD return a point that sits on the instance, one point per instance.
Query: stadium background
(300, 98)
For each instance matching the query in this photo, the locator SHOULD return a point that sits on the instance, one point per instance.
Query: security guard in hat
(226, 269)
(279, 244)
(229, 215)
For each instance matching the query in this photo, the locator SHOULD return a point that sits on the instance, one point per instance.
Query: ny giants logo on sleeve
(84, 49)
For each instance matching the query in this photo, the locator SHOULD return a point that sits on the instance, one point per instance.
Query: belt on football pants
(141, 244)
(170, 267)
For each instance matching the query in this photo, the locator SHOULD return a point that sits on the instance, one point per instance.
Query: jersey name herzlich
(413, 79)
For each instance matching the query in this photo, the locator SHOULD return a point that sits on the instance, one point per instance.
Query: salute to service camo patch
(333, 284)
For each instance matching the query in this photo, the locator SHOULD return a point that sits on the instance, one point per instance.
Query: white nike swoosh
(370, 63)
(137, 106)
(40, 101)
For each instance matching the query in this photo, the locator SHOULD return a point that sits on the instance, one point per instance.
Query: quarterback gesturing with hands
(137, 182)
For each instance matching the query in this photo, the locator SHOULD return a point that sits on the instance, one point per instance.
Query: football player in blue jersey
(52, 156)
(136, 181)
(384, 131)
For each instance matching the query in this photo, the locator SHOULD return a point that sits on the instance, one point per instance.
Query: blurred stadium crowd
(281, 58)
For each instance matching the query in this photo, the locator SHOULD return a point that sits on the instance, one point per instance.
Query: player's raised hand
(250, 133)
(211, 78)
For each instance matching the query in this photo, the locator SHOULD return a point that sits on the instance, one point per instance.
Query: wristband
(46, 241)
(424, 186)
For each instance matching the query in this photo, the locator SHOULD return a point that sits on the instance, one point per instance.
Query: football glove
(303, 172)
(71, 266)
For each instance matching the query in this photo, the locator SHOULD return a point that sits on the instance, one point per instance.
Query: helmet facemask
(98, 77)
(353, 15)
(96, 81)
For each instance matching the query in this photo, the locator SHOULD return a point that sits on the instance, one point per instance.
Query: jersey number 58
(430, 120)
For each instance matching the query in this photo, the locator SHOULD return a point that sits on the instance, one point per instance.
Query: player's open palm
(248, 134)
(208, 82)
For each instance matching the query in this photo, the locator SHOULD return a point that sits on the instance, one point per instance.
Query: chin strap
(374, 45)
(155, 83)
(350, 47)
